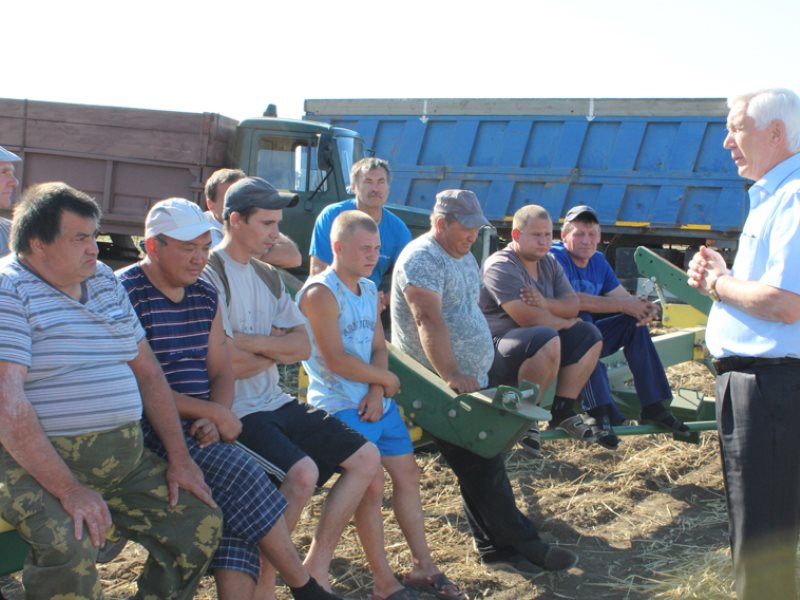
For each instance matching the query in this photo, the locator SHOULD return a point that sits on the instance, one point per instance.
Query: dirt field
(648, 521)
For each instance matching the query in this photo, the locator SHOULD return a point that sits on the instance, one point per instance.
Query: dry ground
(648, 521)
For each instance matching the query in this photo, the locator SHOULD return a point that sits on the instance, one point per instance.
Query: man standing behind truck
(8, 181)
(754, 334)
(369, 180)
(284, 253)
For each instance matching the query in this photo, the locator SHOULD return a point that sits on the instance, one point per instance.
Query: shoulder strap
(269, 275)
(218, 266)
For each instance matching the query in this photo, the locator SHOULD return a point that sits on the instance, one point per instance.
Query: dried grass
(648, 521)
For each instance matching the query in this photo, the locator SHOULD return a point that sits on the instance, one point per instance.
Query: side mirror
(325, 152)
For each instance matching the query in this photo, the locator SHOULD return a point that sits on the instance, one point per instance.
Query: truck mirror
(325, 152)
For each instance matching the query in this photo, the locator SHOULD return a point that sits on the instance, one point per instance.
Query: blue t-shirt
(596, 278)
(393, 233)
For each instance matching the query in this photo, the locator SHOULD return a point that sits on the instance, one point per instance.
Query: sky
(236, 56)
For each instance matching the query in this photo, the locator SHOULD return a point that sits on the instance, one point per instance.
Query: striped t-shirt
(177, 331)
(77, 352)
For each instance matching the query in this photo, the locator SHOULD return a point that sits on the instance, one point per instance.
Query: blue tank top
(357, 317)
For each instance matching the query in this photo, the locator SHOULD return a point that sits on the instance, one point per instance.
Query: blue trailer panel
(652, 168)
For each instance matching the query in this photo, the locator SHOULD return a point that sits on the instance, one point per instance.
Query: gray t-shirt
(254, 310)
(5, 236)
(504, 276)
(425, 264)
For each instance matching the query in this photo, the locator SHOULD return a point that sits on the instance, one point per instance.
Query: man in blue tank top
(180, 316)
(349, 378)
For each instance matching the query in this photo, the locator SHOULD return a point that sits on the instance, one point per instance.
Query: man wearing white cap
(8, 181)
(179, 313)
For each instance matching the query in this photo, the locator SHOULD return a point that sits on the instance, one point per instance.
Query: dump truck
(654, 169)
(128, 159)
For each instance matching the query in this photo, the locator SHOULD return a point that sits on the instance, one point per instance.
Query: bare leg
(369, 524)
(542, 367)
(234, 585)
(345, 495)
(572, 378)
(407, 507)
(298, 486)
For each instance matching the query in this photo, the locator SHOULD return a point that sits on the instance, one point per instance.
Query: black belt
(743, 363)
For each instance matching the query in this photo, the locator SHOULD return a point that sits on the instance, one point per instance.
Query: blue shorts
(389, 434)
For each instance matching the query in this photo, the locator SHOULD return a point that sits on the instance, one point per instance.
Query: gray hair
(774, 104)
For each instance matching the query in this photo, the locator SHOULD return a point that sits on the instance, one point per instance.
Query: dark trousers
(499, 528)
(620, 331)
(758, 412)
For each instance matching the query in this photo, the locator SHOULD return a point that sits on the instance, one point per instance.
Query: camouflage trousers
(180, 540)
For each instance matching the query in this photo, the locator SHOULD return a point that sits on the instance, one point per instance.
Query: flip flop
(438, 585)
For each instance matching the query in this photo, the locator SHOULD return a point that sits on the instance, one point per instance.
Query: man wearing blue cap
(599, 292)
(8, 181)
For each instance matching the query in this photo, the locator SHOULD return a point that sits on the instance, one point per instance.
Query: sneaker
(515, 563)
(549, 557)
(603, 432)
(111, 549)
(531, 442)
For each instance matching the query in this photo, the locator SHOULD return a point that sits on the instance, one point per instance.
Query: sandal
(438, 585)
(575, 428)
(531, 442)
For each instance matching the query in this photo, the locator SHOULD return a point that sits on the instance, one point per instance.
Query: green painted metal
(14, 552)
(555, 434)
(487, 422)
(670, 278)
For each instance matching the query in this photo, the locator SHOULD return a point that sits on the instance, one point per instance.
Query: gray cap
(255, 192)
(463, 205)
(576, 211)
(176, 218)
(6, 156)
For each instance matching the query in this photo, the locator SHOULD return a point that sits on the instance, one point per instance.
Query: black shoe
(604, 432)
(515, 563)
(548, 556)
(668, 421)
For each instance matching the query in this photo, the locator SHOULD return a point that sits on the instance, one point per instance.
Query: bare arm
(527, 315)
(285, 346)
(319, 305)
(317, 265)
(22, 436)
(565, 307)
(284, 254)
(159, 407)
(619, 300)
(707, 270)
(426, 307)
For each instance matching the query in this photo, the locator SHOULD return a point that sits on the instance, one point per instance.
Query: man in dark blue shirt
(600, 292)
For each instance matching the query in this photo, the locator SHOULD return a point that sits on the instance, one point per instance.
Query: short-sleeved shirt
(769, 252)
(358, 315)
(77, 352)
(177, 331)
(425, 264)
(597, 278)
(393, 232)
(504, 276)
(5, 236)
(254, 310)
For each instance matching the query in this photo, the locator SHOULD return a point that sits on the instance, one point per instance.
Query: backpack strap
(266, 273)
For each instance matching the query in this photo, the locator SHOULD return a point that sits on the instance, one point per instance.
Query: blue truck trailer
(654, 169)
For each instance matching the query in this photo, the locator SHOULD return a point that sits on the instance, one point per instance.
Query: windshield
(351, 150)
(289, 163)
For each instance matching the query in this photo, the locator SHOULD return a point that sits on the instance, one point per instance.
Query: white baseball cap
(6, 156)
(176, 218)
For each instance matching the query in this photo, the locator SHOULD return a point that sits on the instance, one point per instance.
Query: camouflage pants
(180, 540)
